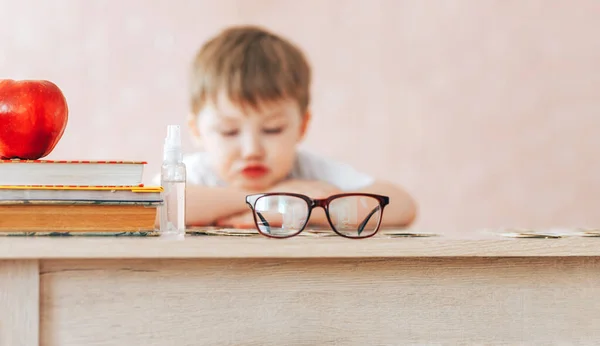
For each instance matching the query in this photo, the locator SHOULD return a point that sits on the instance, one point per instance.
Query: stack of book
(76, 196)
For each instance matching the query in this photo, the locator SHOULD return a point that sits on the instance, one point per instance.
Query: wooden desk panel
(375, 301)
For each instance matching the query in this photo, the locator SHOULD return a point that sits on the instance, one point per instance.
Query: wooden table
(303, 291)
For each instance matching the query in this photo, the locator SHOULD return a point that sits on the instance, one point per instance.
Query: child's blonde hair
(252, 65)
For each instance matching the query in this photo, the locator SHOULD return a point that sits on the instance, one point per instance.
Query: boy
(249, 110)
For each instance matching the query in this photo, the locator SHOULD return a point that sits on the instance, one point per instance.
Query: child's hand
(242, 220)
(246, 220)
(310, 188)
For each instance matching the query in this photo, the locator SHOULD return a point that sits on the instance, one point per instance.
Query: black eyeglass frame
(313, 203)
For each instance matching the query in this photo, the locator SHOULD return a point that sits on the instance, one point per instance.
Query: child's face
(250, 149)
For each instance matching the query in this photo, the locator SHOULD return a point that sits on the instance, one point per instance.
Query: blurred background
(487, 111)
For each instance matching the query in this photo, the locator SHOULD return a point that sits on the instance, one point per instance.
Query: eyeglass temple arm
(264, 222)
(363, 224)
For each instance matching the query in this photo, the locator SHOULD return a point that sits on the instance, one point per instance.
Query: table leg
(19, 303)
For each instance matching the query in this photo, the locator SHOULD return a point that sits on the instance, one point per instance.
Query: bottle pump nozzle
(172, 150)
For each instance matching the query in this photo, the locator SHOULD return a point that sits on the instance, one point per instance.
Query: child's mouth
(255, 172)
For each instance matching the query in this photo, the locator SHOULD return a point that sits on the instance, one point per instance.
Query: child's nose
(252, 147)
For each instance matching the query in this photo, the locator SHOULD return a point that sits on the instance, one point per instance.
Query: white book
(71, 173)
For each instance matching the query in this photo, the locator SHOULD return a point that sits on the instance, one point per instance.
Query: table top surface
(466, 244)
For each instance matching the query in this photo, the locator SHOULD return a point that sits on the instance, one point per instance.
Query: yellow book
(56, 216)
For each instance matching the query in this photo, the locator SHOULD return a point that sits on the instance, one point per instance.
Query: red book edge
(74, 161)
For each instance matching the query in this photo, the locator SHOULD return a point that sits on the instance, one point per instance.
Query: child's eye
(229, 133)
(273, 131)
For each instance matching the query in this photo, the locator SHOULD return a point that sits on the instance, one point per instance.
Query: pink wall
(487, 111)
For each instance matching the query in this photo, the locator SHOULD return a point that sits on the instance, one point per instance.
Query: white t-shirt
(308, 166)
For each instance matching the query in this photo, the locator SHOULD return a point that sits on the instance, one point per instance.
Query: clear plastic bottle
(172, 178)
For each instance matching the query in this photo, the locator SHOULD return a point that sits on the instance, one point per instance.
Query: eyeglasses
(284, 215)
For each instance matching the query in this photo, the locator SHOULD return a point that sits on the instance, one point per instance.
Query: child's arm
(205, 205)
(402, 209)
(399, 213)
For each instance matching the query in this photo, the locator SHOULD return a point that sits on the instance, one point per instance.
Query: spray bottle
(172, 178)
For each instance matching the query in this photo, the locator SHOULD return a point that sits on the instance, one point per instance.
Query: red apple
(33, 117)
